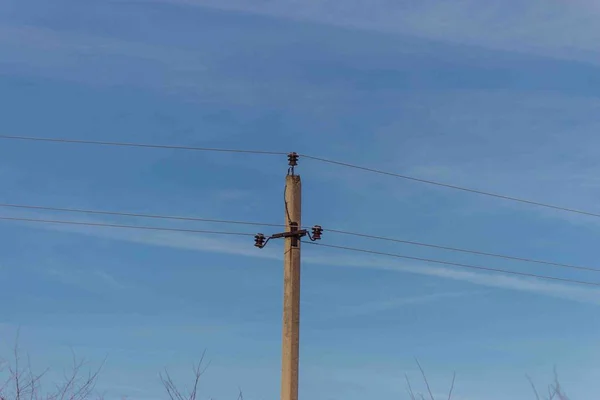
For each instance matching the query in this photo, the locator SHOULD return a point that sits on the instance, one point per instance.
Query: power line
(151, 228)
(456, 249)
(383, 238)
(131, 214)
(307, 156)
(456, 264)
(449, 186)
(139, 227)
(143, 145)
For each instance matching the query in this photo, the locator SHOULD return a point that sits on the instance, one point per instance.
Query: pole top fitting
(292, 162)
(293, 159)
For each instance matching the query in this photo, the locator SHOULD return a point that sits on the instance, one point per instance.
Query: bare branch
(537, 395)
(409, 388)
(24, 382)
(172, 389)
(74, 386)
(425, 379)
(452, 386)
(85, 390)
(17, 373)
(70, 379)
(198, 372)
(557, 388)
(34, 383)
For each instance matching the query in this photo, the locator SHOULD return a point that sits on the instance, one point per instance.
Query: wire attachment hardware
(293, 159)
(259, 241)
(317, 231)
(292, 162)
(294, 233)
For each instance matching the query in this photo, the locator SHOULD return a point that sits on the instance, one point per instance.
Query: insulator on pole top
(293, 159)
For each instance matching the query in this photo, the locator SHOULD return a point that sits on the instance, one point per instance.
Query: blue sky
(499, 96)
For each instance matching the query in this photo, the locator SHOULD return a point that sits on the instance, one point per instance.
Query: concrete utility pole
(291, 290)
(291, 278)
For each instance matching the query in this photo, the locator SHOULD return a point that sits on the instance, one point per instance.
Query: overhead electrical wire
(456, 249)
(143, 145)
(97, 224)
(345, 248)
(336, 231)
(319, 159)
(308, 156)
(469, 266)
(450, 186)
(140, 215)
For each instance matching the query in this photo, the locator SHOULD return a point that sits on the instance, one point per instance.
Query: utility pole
(291, 278)
(291, 290)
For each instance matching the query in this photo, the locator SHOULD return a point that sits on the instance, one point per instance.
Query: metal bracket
(294, 233)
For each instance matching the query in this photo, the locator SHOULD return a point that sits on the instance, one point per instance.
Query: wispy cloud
(92, 280)
(500, 281)
(180, 240)
(554, 28)
(392, 304)
(244, 248)
(78, 57)
(545, 144)
(100, 60)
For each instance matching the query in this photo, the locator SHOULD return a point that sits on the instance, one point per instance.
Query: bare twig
(537, 395)
(75, 387)
(409, 388)
(17, 373)
(555, 390)
(172, 389)
(452, 386)
(198, 372)
(34, 383)
(23, 384)
(558, 389)
(425, 379)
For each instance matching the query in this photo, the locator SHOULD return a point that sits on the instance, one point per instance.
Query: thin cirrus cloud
(391, 304)
(87, 279)
(180, 240)
(496, 280)
(551, 28)
(96, 58)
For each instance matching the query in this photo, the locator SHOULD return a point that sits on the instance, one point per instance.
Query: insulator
(259, 240)
(293, 159)
(317, 231)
